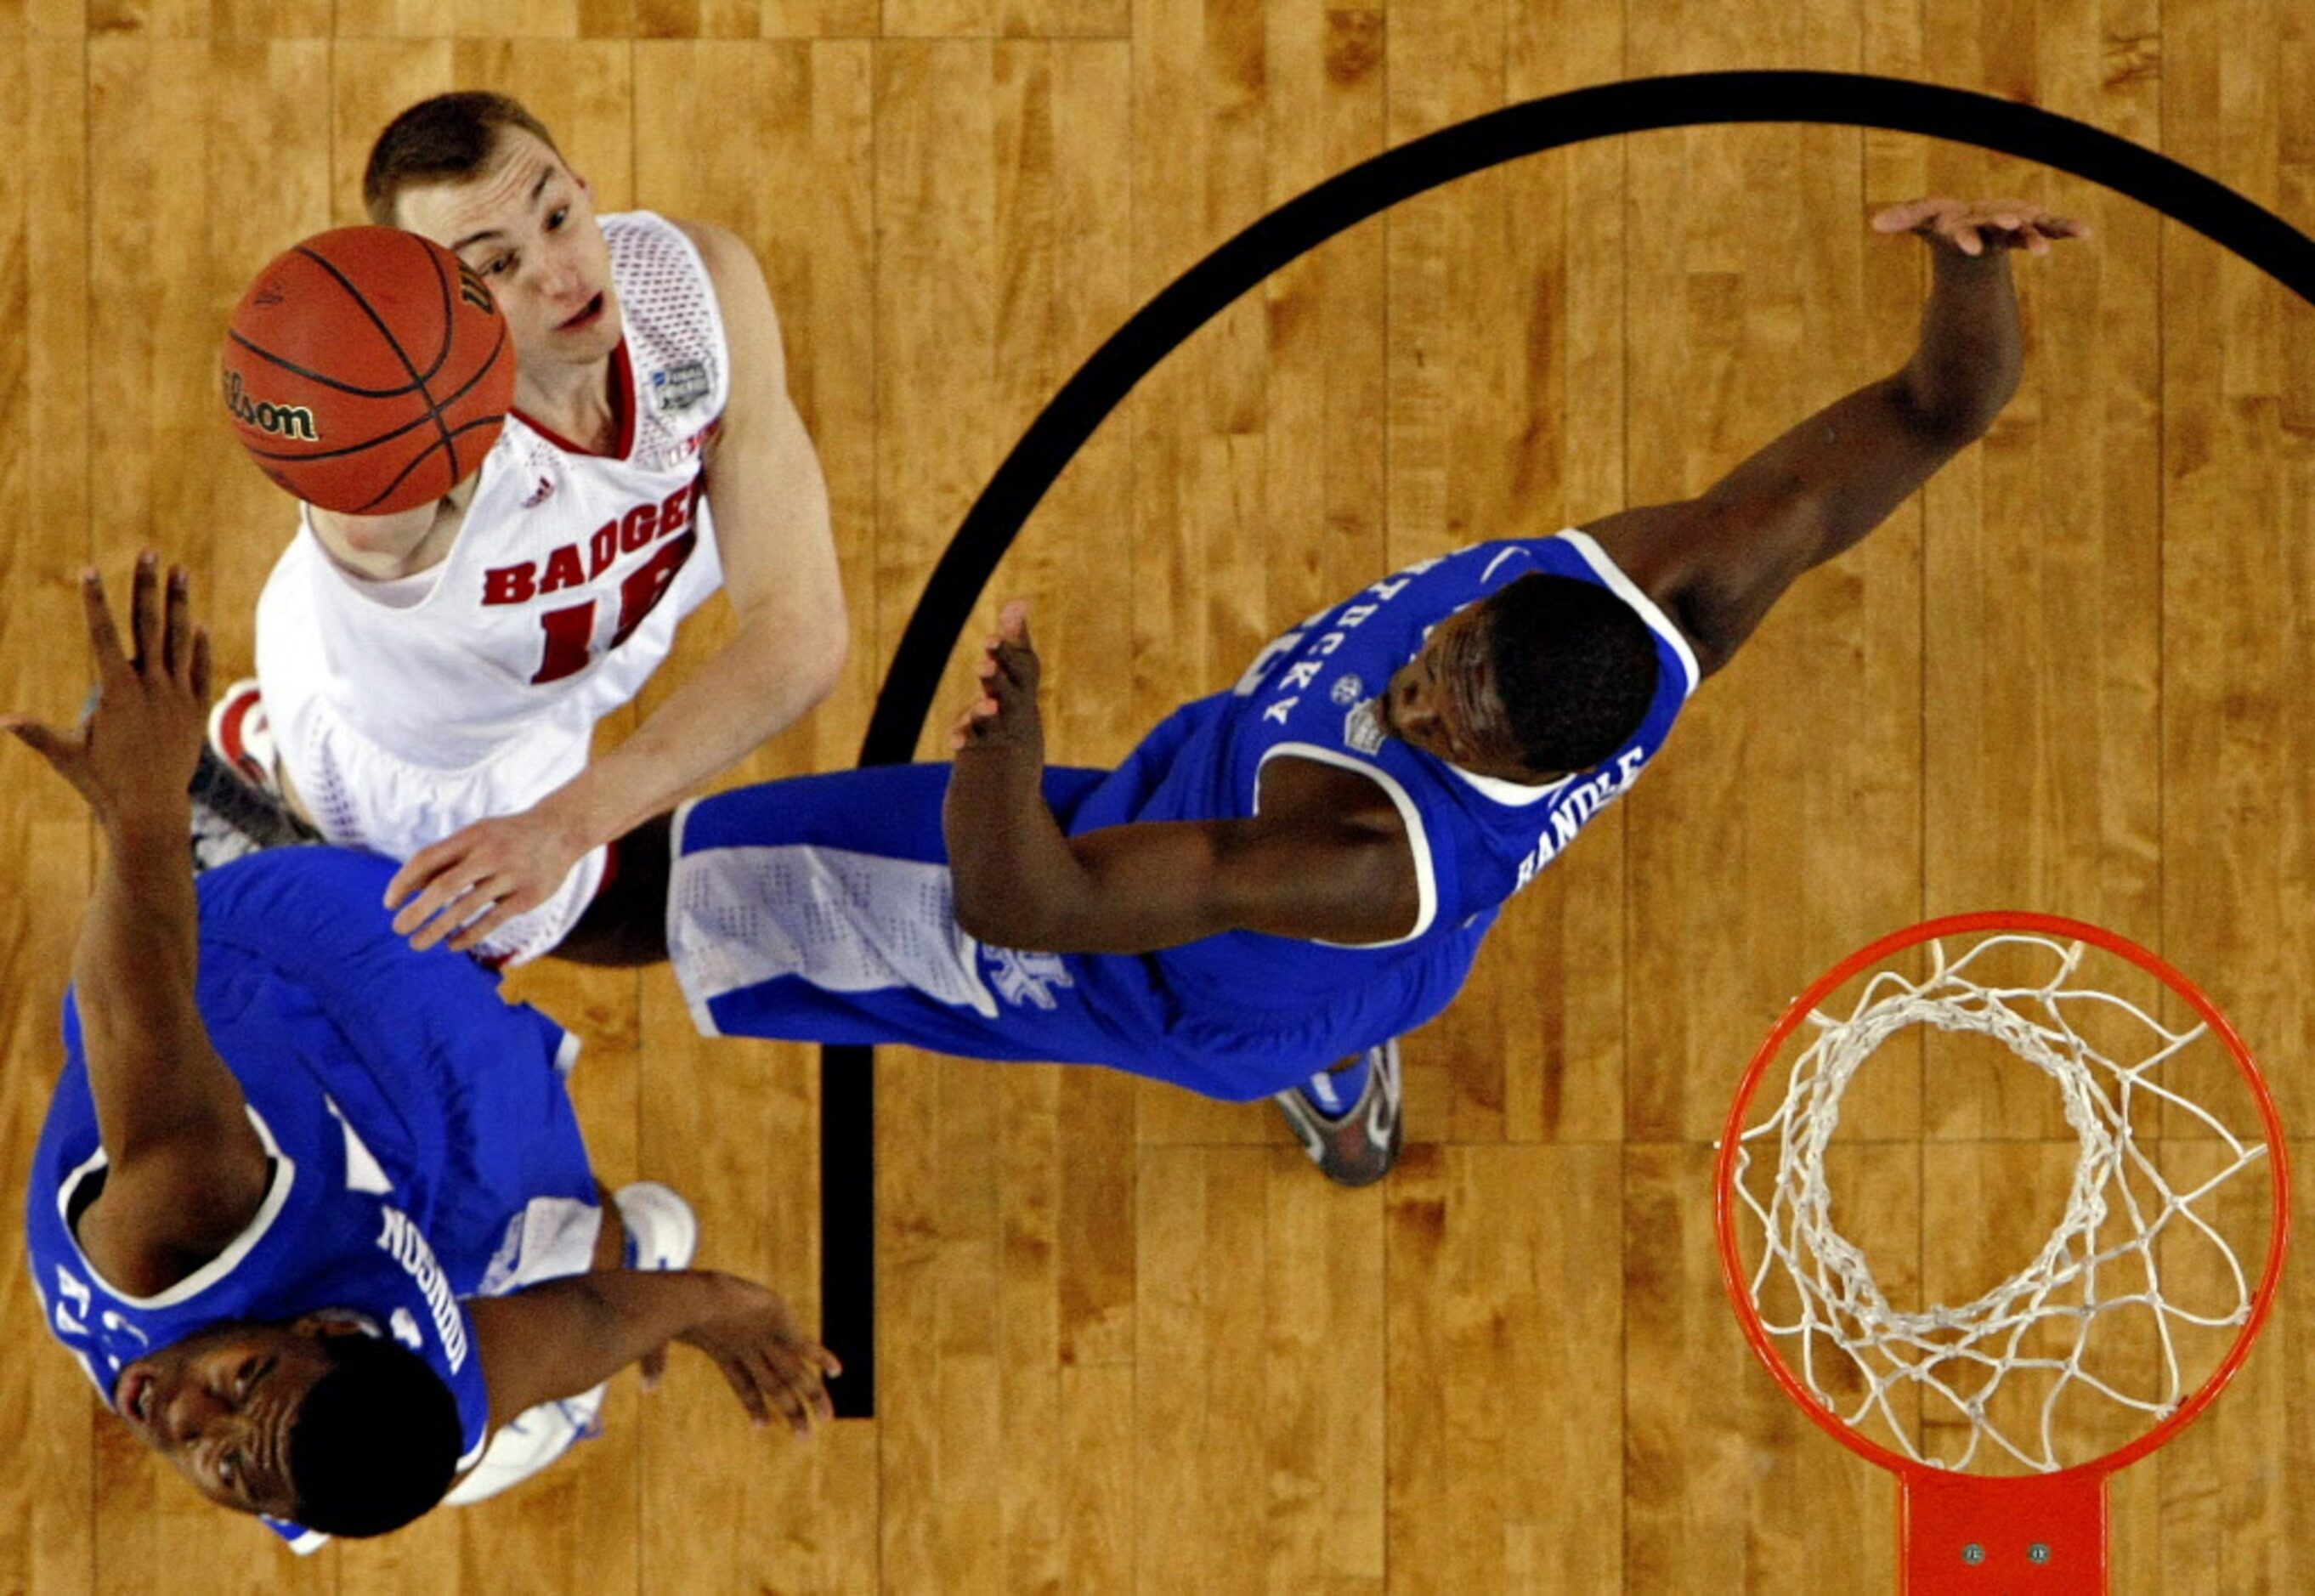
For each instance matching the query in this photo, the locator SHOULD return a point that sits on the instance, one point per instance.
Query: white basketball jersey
(404, 710)
(560, 594)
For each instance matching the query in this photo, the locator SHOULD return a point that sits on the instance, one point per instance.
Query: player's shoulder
(720, 249)
(732, 265)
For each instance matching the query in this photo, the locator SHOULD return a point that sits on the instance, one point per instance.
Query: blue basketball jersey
(1312, 695)
(822, 908)
(410, 1116)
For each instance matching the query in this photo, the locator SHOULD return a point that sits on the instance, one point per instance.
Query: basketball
(367, 370)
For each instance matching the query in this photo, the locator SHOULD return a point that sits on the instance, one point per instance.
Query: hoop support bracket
(1963, 1533)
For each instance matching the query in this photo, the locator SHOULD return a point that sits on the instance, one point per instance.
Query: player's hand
(1005, 716)
(1974, 227)
(770, 1363)
(134, 752)
(481, 876)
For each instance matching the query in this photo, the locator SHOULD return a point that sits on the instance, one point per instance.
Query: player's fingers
(509, 906)
(787, 1391)
(103, 637)
(476, 912)
(177, 625)
(41, 739)
(415, 872)
(200, 666)
(436, 912)
(1906, 216)
(145, 611)
(805, 1378)
(1966, 240)
(743, 1386)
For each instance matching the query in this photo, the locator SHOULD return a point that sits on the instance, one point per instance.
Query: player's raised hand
(770, 1363)
(481, 876)
(136, 746)
(1005, 716)
(1974, 227)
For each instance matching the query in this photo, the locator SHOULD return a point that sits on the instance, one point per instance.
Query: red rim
(1724, 1207)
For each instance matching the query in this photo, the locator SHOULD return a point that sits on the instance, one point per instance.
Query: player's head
(1544, 676)
(311, 1422)
(478, 174)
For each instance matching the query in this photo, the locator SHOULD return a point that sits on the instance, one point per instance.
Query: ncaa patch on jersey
(680, 388)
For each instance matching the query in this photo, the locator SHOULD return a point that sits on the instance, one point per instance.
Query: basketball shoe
(243, 737)
(1355, 1144)
(662, 1233)
(232, 819)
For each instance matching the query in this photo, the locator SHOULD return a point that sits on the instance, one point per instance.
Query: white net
(2125, 1308)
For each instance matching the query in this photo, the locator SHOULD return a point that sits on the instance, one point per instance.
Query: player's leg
(821, 910)
(625, 923)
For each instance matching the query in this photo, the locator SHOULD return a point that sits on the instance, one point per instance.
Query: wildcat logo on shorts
(680, 388)
(277, 421)
(1027, 978)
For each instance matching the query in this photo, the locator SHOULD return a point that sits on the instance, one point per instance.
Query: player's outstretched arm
(779, 553)
(567, 1335)
(186, 1170)
(1326, 857)
(1717, 562)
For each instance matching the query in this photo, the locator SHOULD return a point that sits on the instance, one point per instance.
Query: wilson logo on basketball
(280, 421)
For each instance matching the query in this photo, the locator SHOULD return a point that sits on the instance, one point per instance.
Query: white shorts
(551, 1238)
(359, 795)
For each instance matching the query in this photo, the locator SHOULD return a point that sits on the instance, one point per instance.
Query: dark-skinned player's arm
(566, 1337)
(1718, 562)
(1326, 858)
(186, 1170)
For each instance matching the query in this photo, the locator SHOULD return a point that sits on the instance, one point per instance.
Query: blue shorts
(821, 909)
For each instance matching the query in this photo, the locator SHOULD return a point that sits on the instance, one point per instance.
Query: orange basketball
(368, 370)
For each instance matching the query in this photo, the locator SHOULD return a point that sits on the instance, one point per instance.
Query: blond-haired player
(428, 682)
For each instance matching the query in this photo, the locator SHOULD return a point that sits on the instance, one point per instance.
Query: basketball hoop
(2035, 1374)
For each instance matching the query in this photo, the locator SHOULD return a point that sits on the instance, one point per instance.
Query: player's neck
(571, 402)
(383, 548)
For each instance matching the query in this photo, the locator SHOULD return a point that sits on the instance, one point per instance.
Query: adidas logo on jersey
(539, 494)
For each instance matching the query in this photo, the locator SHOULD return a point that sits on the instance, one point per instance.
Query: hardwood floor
(1127, 1340)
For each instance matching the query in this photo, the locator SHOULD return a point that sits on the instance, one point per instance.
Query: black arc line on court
(2260, 238)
